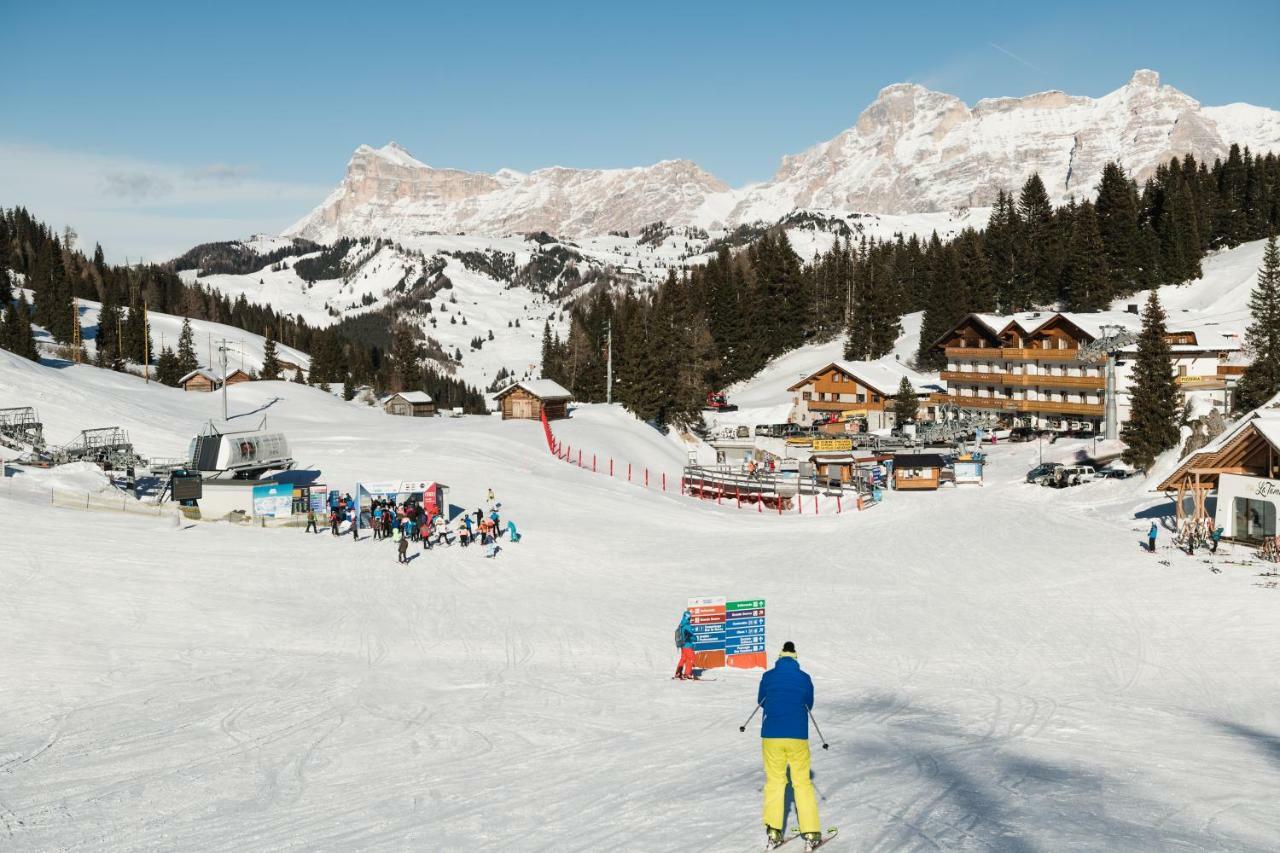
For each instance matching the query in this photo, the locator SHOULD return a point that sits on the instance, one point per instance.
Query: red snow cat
(718, 402)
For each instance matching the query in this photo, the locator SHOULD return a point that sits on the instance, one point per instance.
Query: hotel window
(875, 398)
(861, 398)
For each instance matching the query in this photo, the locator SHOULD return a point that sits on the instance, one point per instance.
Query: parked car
(1023, 434)
(1114, 474)
(1077, 474)
(1044, 473)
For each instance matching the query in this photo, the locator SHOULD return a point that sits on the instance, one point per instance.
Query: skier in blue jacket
(786, 696)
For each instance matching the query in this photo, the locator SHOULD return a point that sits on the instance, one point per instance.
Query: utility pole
(1109, 412)
(75, 330)
(222, 357)
(608, 380)
(146, 344)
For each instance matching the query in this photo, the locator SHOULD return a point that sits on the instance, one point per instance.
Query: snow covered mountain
(911, 151)
(386, 192)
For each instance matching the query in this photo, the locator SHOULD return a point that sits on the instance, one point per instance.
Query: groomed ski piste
(997, 668)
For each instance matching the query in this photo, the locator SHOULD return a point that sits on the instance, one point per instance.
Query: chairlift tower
(1114, 338)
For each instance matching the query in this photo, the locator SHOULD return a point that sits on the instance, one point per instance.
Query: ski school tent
(430, 495)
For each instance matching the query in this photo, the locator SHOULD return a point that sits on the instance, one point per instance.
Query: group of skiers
(785, 695)
(409, 521)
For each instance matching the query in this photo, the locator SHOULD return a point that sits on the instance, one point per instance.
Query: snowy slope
(1221, 293)
(206, 688)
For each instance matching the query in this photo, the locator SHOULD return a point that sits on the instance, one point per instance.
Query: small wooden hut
(415, 404)
(917, 471)
(528, 400)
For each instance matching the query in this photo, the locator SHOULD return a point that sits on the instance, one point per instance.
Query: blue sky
(195, 120)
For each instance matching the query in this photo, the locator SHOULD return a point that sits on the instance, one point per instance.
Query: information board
(707, 617)
(828, 445)
(319, 498)
(273, 501)
(744, 634)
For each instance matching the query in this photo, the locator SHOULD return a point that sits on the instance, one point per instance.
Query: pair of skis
(826, 836)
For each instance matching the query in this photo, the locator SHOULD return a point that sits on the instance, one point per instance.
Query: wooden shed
(200, 379)
(528, 400)
(416, 404)
(237, 376)
(917, 471)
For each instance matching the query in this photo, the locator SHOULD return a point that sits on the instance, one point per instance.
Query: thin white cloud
(149, 211)
(1016, 58)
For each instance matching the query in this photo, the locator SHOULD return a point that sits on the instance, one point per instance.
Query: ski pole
(825, 745)
(743, 727)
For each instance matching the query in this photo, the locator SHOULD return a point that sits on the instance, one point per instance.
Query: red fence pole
(759, 502)
(610, 466)
(778, 499)
(799, 501)
(646, 478)
(839, 510)
(628, 472)
(815, 504)
(593, 463)
(579, 457)
(664, 481)
(737, 493)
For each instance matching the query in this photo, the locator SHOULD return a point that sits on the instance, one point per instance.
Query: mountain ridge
(912, 150)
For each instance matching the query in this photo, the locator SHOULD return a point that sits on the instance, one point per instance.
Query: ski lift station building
(531, 399)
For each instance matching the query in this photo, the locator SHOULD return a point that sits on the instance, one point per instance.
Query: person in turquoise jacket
(786, 697)
(684, 642)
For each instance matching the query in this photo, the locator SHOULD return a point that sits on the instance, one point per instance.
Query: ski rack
(20, 429)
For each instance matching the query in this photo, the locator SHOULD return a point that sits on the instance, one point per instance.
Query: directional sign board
(707, 616)
(728, 633)
(744, 634)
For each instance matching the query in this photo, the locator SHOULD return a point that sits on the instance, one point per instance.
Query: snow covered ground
(997, 668)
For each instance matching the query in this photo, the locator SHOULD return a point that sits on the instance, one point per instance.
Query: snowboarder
(1214, 538)
(684, 642)
(513, 535)
(1151, 538)
(786, 695)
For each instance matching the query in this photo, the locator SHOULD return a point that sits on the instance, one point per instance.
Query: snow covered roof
(1210, 334)
(201, 371)
(543, 389)
(883, 375)
(1265, 420)
(412, 396)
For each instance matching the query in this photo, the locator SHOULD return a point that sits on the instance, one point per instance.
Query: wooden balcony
(1023, 380)
(1012, 353)
(1092, 410)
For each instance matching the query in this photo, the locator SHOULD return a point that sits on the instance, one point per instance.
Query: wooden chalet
(414, 404)
(917, 471)
(530, 399)
(857, 390)
(200, 379)
(237, 376)
(1243, 467)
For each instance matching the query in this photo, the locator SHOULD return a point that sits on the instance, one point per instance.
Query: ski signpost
(707, 616)
(744, 634)
(728, 633)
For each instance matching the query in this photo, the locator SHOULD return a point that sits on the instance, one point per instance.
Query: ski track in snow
(997, 668)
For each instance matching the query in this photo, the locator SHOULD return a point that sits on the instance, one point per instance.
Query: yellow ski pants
(779, 754)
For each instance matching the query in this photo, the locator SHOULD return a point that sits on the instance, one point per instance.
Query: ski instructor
(786, 695)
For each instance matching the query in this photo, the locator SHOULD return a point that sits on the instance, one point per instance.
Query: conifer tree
(906, 404)
(168, 368)
(17, 329)
(299, 378)
(1036, 280)
(1117, 209)
(348, 388)
(270, 362)
(1086, 284)
(186, 355)
(1261, 378)
(1152, 427)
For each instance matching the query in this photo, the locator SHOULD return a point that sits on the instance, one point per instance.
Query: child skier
(1151, 538)
(684, 642)
(786, 695)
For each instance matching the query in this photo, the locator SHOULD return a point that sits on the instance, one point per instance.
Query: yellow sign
(799, 439)
(1181, 380)
(854, 413)
(832, 444)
